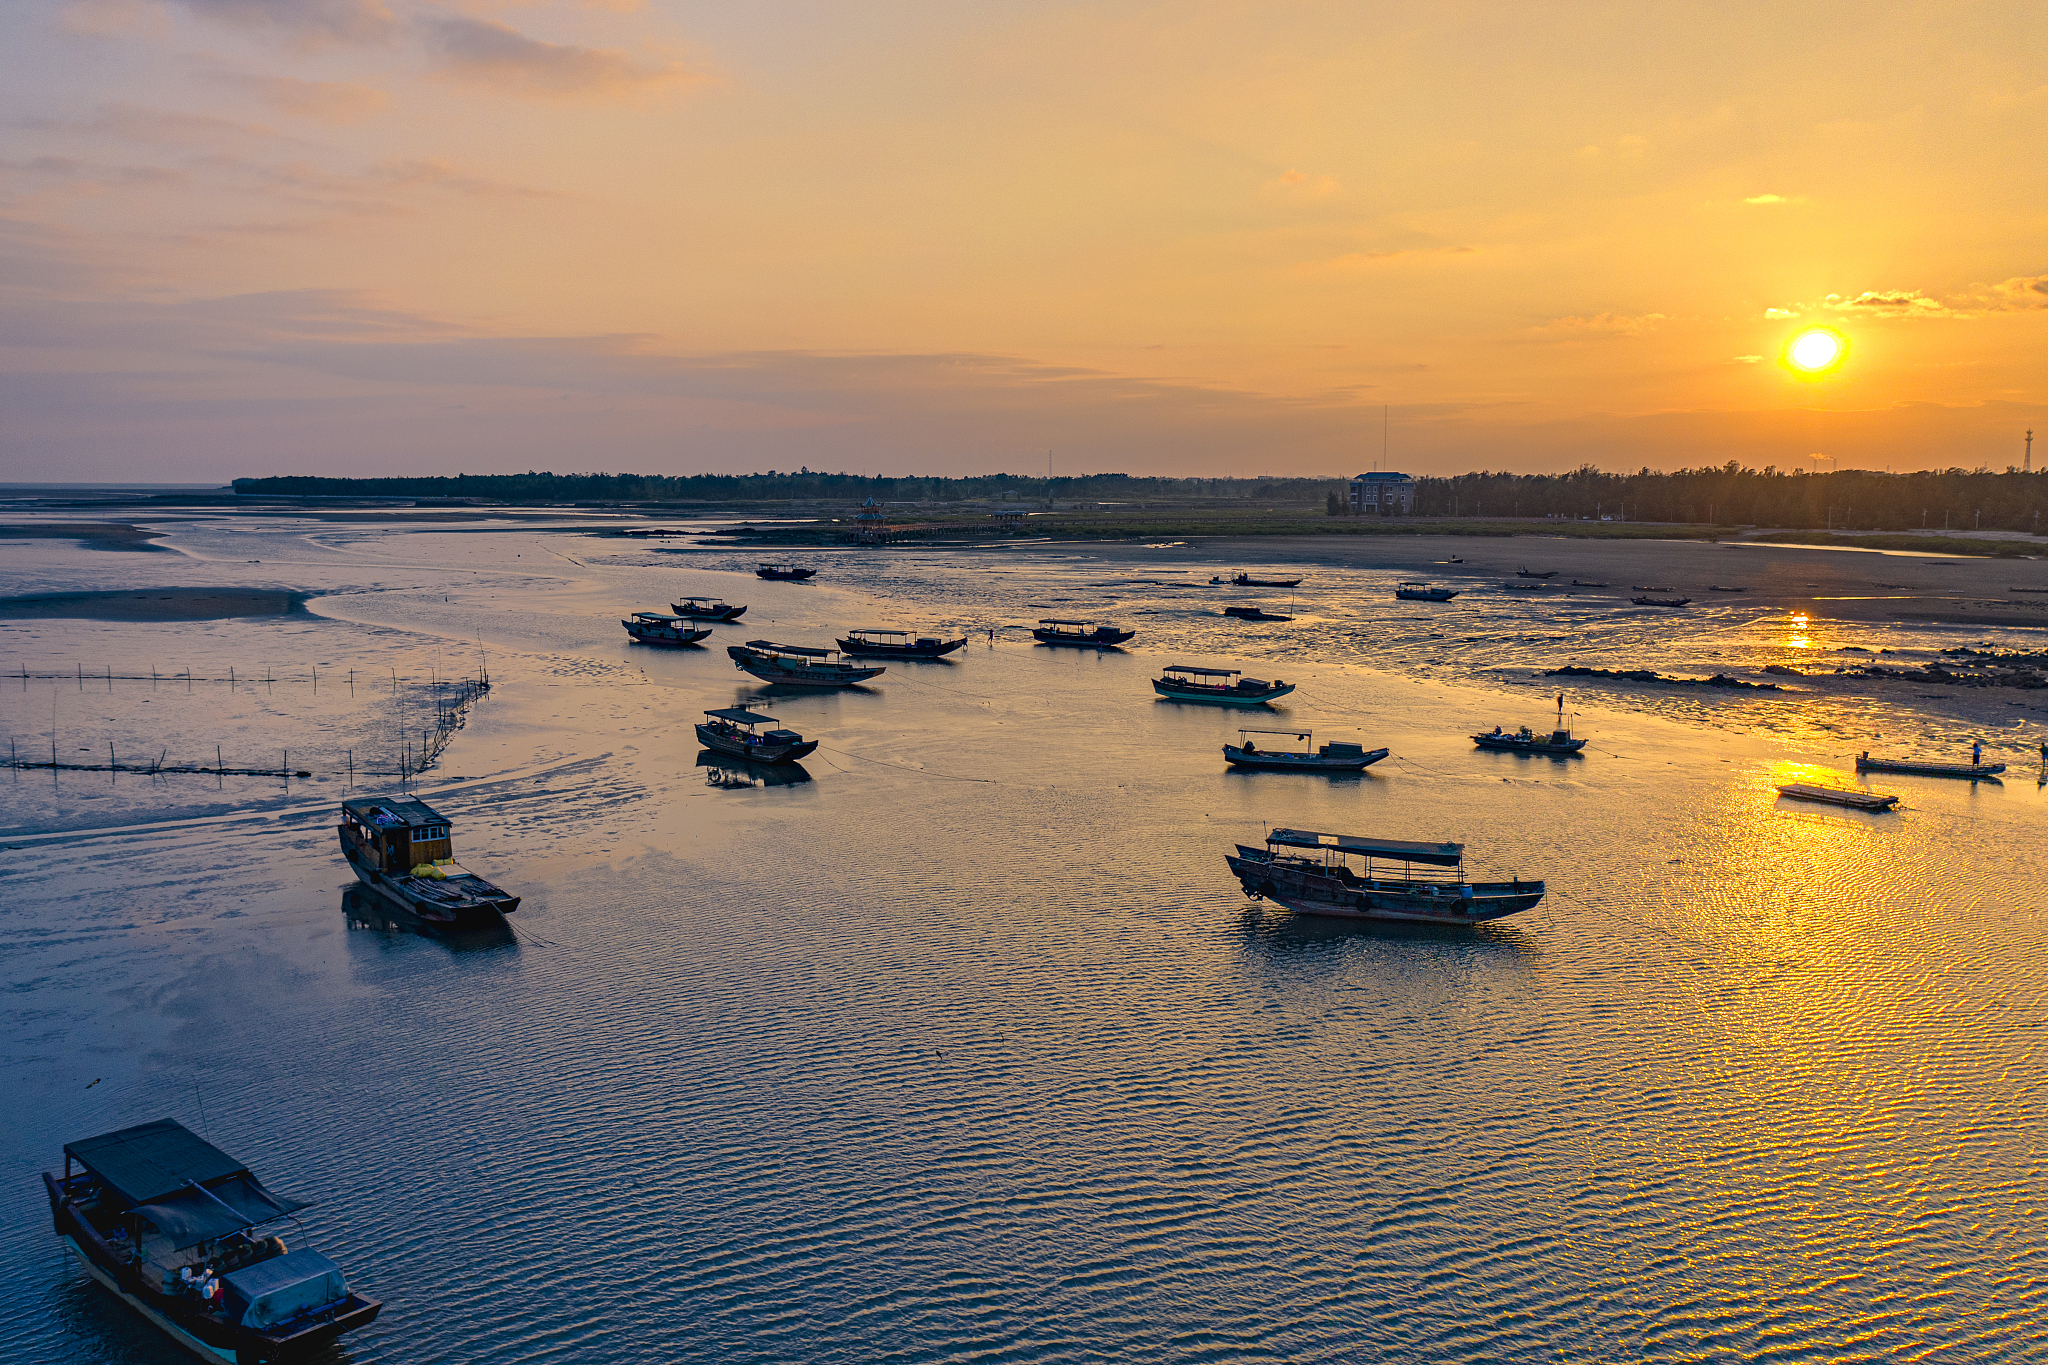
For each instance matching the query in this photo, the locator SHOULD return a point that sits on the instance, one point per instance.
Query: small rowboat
(898, 644)
(1716, 587)
(1838, 796)
(707, 609)
(1582, 583)
(1331, 758)
(783, 573)
(1244, 580)
(1084, 634)
(1530, 573)
(1426, 594)
(1254, 614)
(798, 665)
(1217, 686)
(1660, 601)
(652, 628)
(1975, 772)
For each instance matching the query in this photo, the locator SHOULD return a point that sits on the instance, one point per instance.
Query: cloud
(1359, 260)
(1747, 359)
(489, 53)
(158, 127)
(1780, 314)
(1601, 325)
(323, 101)
(1767, 199)
(1300, 184)
(310, 22)
(1894, 303)
(2021, 291)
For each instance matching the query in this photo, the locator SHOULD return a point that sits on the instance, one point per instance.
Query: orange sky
(372, 236)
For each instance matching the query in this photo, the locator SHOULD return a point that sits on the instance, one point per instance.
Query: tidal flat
(965, 1043)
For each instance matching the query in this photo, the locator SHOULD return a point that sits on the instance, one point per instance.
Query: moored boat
(784, 573)
(1426, 594)
(1526, 741)
(1245, 580)
(1976, 770)
(653, 628)
(1838, 796)
(1660, 601)
(1254, 614)
(1085, 634)
(707, 609)
(731, 731)
(1526, 572)
(1429, 886)
(1330, 758)
(799, 665)
(1719, 587)
(170, 1224)
(1217, 686)
(897, 644)
(400, 848)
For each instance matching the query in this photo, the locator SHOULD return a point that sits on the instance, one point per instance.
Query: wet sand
(153, 604)
(94, 535)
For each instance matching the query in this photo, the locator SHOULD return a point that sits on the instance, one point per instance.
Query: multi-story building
(1382, 495)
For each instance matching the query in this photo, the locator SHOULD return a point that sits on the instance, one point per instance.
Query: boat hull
(1220, 696)
(775, 670)
(873, 651)
(655, 635)
(1253, 614)
(719, 742)
(1838, 796)
(1415, 902)
(208, 1340)
(1300, 763)
(1509, 744)
(727, 614)
(1430, 595)
(478, 911)
(784, 576)
(1101, 639)
(1975, 772)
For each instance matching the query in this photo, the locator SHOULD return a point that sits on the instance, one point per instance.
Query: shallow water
(968, 1047)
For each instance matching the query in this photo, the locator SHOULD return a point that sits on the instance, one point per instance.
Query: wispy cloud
(309, 22)
(1600, 325)
(488, 53)
(1780, 314)
(2021, 291)
(321, 101)
(1895, 303)
(1766, 200)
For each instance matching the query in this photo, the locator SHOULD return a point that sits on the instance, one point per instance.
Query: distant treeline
(1728, 495)
(1731, 495)
(800, 486)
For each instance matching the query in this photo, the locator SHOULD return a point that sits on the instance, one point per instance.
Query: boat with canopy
(400, 848)
(1310, 873)
(799, 665)
(731, 731)
(174, 1227)
(1217, 686)
(653, 628)
(784, 573)
(707, 609)
(1417, 594)
(1086, 634)
(1331, 758)
(897, 644)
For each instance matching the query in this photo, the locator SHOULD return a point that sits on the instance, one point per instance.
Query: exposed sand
(94, 535)
(153, 604)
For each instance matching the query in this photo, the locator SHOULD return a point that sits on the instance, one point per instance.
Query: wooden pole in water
(223, 777)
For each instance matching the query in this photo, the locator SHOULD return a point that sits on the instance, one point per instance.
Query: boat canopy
(866, 631)
(188, 1188)
(394, 812)
(741, 715)
(1205, 672)
(1296, 734)
(282, 1288)
(705, 601)
(771, 647)
(1055, 621)
(1435, 855)
(206, 1213)
(663, 617)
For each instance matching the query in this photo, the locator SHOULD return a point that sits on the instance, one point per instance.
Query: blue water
(968, 1048)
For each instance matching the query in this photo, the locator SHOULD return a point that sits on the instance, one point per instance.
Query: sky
(250, 237)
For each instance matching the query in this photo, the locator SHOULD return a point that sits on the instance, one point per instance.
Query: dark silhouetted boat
(1255, 614)
(1331, 758)
(1426, 594)
(897, 644)
(1531, 573)
(1085, 634)
(400, 848)
(799, 665)
(1660, 601)
(1245, 580)
(1398, 880)
(707, 609)
(1716, 587)
(1526, 741)
(172, 1225)
(731, 731)
(1582, 583)
(784, 573)
(652, 628)
(1976, 770)
(1217, 686)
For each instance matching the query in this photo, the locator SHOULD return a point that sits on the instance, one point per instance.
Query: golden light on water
(1799, 638)
(1816, 350)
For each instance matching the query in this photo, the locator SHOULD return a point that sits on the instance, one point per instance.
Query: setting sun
(1815, 351)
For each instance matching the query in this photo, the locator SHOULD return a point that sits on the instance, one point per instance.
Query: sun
(1816, 350)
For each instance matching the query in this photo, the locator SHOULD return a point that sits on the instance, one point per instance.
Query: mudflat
(153, 604)
(94, 535)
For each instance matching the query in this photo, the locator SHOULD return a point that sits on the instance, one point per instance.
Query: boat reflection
(1284, 935)
(729, 773)
(365, 910)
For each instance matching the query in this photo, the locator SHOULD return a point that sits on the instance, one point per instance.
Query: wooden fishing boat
(897, 644)
(1426, 594)
(1245, 580)
(399, 847)
(731, 731)
(1838, 796)
(172, 1225)
(784, 573)
(1524, 587)
(1330, 758)
(653, 628)
(1085, 634)
(707, 609)
(1255, 614)
(1526, 572)
(1526, 741)
(799, 665)
(1428, 887)
(1217, 686)
(1717, 587)
(1584, 583)
(1660, 601)
(1975, 771)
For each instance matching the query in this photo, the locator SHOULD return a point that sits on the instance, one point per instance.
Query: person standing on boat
(1977, 754)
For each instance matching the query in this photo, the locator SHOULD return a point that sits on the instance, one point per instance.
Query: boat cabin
(740, 722)
(397, 833)
(1328, 854)
(830, 656)
(890, 639)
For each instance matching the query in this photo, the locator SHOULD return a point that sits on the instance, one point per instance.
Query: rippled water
(968, 1048)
